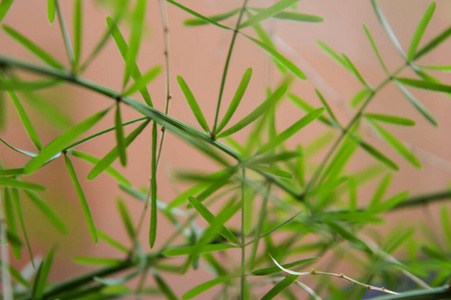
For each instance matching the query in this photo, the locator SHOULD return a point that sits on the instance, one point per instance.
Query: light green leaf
(236, 100)
(82, 198)
(143, 81)
(256, 113)
(354, 70)
(94, 160)
(337, 57)
(213, 221)
(48, 212)
(307, 107)
(51, 10)
(298, 17)
(273, 171)
(268, 12)
(110, 240)
(282, 137)
(380, 191)
(97, 261)
(78, 29)
(121, 147)
(216, 18)
(62, 141)
(280, 286)
(153, 189)
(33, 48)
(424, 84)
(180, 251)
(196, 291)
(4, 7)
(135, 38)
(273, 158)
(193, 104)
(123, 49)
(359, 96)
(19, 184)
(108, 159)
(390, 119)
(375, 49)
(327, 107)
(420, 31)
(378, 155)
(397, 145)
(443, 36)
(279, 57)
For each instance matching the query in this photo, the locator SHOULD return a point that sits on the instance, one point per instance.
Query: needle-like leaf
(390, 119)
(143, 81)
(153, 189)
(19, 184)
(51, 10)
(375, 49)
(78, 30)
(216, 18)
(268, 12)
(280, 286)
(425, 84)
(11, 221)
(196, 291)
(443, 36)
(4, 7)
(420, 31)
(47, 211)
(121, 147)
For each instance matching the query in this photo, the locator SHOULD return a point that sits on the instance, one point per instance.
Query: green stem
(67, 43)
(226, 66)
(443, 292)
(243, 238)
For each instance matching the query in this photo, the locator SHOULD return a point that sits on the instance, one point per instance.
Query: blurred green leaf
(126, 218)
(153, 189)
(48, 212)
(121, 147)
(143, 81)
(17, 206)
(268, 12)
(390, 119)
(163, 286)
(4, 7)
(424, 84)
(420, 31)
(11, 221)
(78, 30)
(375, 49)
(442, 37)
(275, 270)
(180, 251)
(44, 274)
(196, 291)
(51, 10)
(280, 286)
(216, 18)
(19, 184)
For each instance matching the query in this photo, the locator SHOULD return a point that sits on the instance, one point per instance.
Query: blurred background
(198, 54)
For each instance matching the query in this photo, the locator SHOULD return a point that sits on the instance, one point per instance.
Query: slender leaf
(424, 84)
(48, 212)
(354, 70)
(164, 287)
(279, 57)
(4, 7)
(153, 187)
(269, 12)
(193, 104)
(11, 221)
(196, 291)
(9, 172)
(51, 10)
(390, 119)
(273, 158)
(337, 57)
(126, 218)
(280, 286)
(380, 191)
(274, 270)
(121, 147)
(108, 159)
(78, 30)
(282, 137)
(17, 206)
(45, 271)
(82, 198)
(359, 96)
(378, 155)
(65, 33)
(110, 240)
(97, 261)
(118, 280)
(19, 184)
(213, 221)
(33, 48)
(256, 113)
(135, 38)
(216, 18)
(236, 100)
(62, 141)
(179, 251)
(327, 107)
(420, 31)
(443, 36)
(143, 81)
(375, 49)
(273, 171)
(293, 16)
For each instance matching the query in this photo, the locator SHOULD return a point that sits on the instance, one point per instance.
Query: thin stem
(243, 238)
(226, 66)
(67, 43)
(6, 278)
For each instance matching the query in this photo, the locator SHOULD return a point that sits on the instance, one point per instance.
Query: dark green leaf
(216, 18)
(23, 185)
(273, 158)
(268, 12)
(11, 221)
(18, 208)
(424, 84)
(44, 274)
(206, 286)
(153, 189)
(420, 31)
(280, 286)
(256, 113)
(118, 280)
(121, 147)
(390, 119)
(193, 104)
(62, 141)
(163, 286)
(48, 212)
(33, 48)
(236, 100)
(82, 198)
(354, 70)
(443, 36)
(9, 172)
(4, 7)
(378, 155)
(179, 251)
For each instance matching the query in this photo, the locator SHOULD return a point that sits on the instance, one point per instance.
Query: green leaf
(78, 29)
(51, 10)
(282, 137)
(18, 208)
(298, 17)
(94, 160)
(183, 197)
(307, 107)
(443, 36)
(256, 113)
(48, 212)
(123, 49)
(142, 82)
(236, 100)
(33, 48)
(356, 72)
(375, 49)
(417, 104)
(196, 291)
(268, 12)
(180, 251)
(65, 33)
(44, 274)
(108, 159)
(274, 270)
(359, 96)
(198, 15)
(118, 280)
(110, 240)
(390, 203)
(339, 229)
(379, 192)
(163, 286)
(216, 18)
(9, 172)
(213, 221)
(437, 68)
(126, 218)
(279, 57)
(62, 141)
(424, 84)
(387, 28)
(397, 145)
(153, 188)
(390, 119)
(327, 107)
(11, 221)
(280, 286)
(273, 158)
(273, 171)
(4, 7)
(135, 38)
(420, 31)
(22, 86)
(193, 103)
(24, 118)
(82, 198)
(378, 155)
(337, 57)
(19, 184)
(121, 147)
(97, 261)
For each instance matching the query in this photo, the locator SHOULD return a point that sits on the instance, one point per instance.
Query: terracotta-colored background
(198, 54)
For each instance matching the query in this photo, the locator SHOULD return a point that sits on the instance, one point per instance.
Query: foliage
(292, 210)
